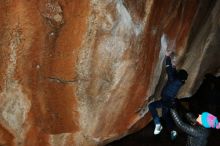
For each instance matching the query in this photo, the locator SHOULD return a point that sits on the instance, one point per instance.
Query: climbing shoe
(157, 129)
(173, 135)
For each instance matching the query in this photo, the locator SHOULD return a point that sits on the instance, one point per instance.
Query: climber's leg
(153, 110)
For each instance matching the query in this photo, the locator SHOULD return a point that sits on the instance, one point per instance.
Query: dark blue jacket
(173, 84)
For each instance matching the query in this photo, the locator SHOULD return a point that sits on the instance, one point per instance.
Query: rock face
(80, 72)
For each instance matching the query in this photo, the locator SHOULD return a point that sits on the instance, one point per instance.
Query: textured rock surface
(80, 72)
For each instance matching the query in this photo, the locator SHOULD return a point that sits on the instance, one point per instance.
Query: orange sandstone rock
(80, 72)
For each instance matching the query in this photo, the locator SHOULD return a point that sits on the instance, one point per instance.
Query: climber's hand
(168, 52)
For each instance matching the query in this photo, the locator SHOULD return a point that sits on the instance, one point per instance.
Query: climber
(197, 129)
(175, 80)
